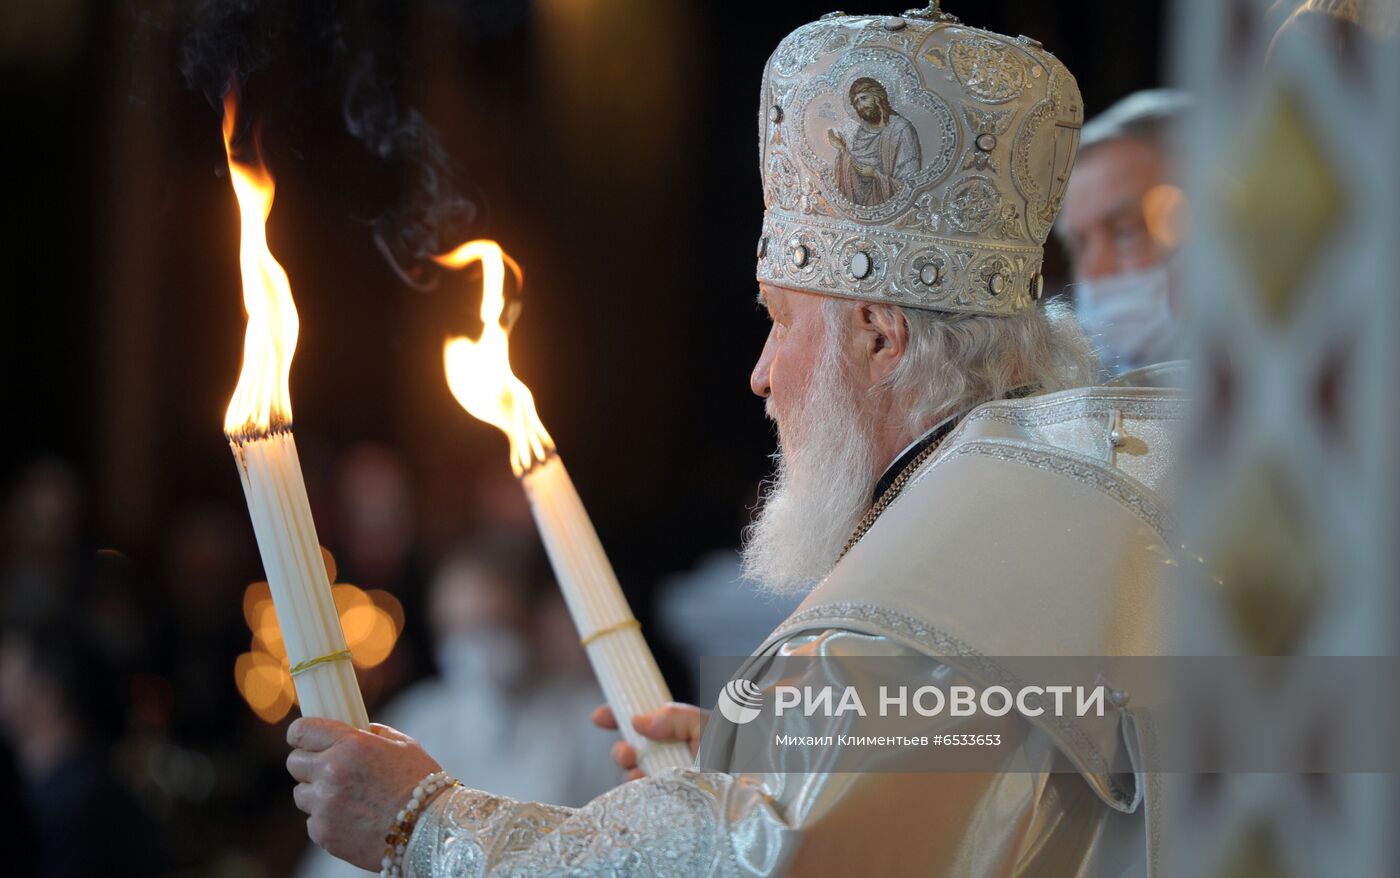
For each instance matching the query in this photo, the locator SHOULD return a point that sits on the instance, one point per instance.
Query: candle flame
(262, 401)
(478, 372)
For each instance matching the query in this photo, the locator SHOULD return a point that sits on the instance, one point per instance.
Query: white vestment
(1028, 533)
(534, 743)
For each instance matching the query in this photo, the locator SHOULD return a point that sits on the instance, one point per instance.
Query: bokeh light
(264, 683)
(372, 622)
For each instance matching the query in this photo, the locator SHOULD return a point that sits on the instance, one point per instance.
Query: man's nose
(760, 378)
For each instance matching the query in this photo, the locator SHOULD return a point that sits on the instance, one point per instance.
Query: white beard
(825, 472)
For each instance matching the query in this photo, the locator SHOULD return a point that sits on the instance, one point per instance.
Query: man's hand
(353, 783)
(669, 722)
(836, 139)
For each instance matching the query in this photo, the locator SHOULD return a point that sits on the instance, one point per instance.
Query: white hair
(954, 362)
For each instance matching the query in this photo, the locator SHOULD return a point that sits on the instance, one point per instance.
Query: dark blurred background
(608, 145)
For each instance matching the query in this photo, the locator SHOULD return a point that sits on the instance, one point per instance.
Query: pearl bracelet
(396, 842)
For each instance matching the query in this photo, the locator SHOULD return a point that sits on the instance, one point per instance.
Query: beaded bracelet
(396, 842)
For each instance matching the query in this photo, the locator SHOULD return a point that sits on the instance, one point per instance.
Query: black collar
(917, 447)
(932, 437)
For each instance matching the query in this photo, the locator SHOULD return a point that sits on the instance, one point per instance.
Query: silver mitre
(914, 160)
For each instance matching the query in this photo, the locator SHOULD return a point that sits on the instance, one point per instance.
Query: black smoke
(227, 43)
(434, 213)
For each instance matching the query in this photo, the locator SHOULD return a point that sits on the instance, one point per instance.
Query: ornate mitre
(914, 160)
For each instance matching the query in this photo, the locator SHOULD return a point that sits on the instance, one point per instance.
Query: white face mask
(492, 657)
(1128, 316)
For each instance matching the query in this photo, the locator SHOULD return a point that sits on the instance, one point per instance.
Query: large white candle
(258, 425)
(317, 654)
(621, 661)
(480, 377)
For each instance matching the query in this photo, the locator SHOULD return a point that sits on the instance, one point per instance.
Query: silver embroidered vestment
(1037, 529)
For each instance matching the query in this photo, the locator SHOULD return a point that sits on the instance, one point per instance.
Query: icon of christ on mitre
(881, 153)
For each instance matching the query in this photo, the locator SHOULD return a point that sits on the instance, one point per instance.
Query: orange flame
(262, 402)
(478, 372)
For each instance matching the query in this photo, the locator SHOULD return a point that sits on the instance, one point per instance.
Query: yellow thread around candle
(304, 666)
(620, 626)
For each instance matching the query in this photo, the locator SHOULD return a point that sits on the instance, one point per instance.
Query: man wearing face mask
(1121, 223)
(494, 713)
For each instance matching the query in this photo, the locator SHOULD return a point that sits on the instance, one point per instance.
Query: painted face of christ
(870, 101)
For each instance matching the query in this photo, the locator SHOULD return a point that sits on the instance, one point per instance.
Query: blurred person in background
(499, 717)
(374, 517)
(206, 557)
(125, 616)
(710, 609)
(558, 653)
(509, 707)
(1121, 224)
(60, 711)
(43, 526)
(374, 539)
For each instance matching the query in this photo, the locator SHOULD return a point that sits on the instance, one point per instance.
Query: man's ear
(885, 337)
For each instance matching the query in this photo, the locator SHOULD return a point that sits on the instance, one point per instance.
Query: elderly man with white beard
(947, 490)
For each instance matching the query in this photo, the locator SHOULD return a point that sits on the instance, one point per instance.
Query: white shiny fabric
(1030, 821)
(1033, 531)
